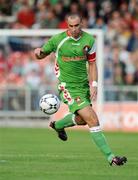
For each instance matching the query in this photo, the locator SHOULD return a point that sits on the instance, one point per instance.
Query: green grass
(37, 154)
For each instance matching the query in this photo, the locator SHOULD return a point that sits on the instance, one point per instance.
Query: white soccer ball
(49, 104)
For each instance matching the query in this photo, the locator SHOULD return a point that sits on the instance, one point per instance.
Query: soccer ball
(49, 104)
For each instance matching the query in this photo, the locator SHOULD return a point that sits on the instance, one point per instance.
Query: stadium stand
(117, 19)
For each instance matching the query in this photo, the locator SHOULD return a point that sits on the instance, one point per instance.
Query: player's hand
(37, 51)
(93, 93)
(39, 54)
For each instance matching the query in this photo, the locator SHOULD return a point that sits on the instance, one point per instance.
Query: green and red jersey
(71, 56)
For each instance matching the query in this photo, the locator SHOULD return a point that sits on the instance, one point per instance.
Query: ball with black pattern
(49, 104)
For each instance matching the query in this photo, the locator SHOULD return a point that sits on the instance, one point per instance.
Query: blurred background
(23, 80)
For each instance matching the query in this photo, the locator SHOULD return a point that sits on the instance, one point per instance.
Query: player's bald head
(73, 17)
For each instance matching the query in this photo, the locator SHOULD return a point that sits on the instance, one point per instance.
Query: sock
(101, 143)
(67, 121)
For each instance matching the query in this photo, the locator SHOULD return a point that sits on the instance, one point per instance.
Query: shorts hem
(80, 107)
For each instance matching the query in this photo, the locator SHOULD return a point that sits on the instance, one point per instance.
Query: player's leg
(72, 119)
(68, 121)
(90, 117)
(59, 125)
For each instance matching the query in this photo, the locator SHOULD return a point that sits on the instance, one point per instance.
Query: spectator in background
(74, 8)
(123, 8)
(6, 7)
(118, 74)
(15, 63)
(132, 5)
(108, 67)
(100, 24)
(118, 67)
(82, 8)
(30, 65)
(59, 10)
(128, 19)
(134, 69)
(2, 62)
(16, 6)
(123, 33)
(135, 13)
(106, 10)
(15, 79)
(63, 24)
(91, 13)
(85, 23)
(110, 37)
(33, 81)
(129, 78)
(133, 40)
(26, 16)
(40, 16)
(49, 72)
(51, 21)
(3, 70)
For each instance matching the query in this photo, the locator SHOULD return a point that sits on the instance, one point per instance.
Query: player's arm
(93, 73)
(46, 49)
(93, 78)
(39, 53)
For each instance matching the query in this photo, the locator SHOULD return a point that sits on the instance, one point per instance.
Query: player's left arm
(93, 73)
(93, 78)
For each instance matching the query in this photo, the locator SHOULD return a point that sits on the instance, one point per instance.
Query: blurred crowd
(117, 18)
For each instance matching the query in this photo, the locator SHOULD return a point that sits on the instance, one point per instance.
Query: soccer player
(77, 86)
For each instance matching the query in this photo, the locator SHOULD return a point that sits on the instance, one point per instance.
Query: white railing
(20, 101)
(121, 93)
(24, 102)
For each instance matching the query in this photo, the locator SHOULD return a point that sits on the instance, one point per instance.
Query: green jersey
(71, 55)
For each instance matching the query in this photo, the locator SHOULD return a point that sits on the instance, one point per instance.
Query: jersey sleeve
(92, 53)
(50, 46)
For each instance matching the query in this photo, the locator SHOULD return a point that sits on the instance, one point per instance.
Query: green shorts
(76, 97)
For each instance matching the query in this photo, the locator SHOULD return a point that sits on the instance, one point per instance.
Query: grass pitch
(37, 154)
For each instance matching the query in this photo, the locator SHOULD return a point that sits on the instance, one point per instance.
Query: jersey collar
(69, 34)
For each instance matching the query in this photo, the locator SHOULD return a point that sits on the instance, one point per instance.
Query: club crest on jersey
(86, 49)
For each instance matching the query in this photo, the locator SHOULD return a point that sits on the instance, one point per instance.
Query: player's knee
(89, 116)
(91, 119)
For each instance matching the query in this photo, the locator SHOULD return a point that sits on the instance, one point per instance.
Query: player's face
(74, 26)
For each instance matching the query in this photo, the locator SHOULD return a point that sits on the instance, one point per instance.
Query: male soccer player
(77, 86)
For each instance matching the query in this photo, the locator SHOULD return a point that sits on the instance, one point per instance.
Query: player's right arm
(46, 49)
(39, 53)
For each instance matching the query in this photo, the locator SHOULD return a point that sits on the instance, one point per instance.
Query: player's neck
(75, 38)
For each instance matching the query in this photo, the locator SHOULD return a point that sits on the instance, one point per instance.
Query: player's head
(74, 22)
